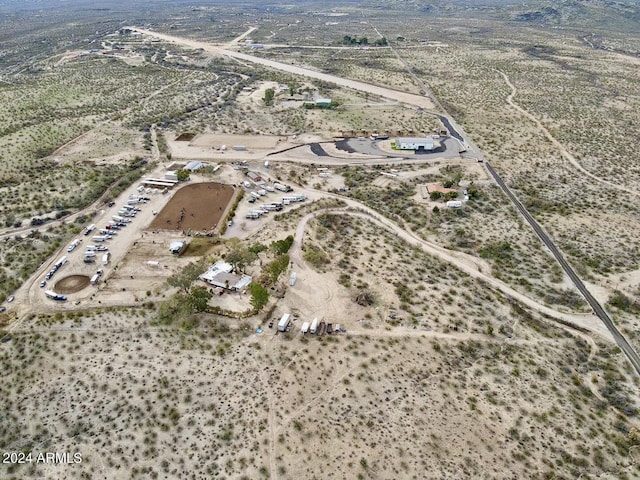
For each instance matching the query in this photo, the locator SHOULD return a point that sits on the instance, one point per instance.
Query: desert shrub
(282, 246)
(315, 256)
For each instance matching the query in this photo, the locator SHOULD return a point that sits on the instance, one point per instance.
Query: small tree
(183, 175)
(282, 246)
(199, 298)
(259, 296)
(186, 277)
(269, 94)
(239, 255)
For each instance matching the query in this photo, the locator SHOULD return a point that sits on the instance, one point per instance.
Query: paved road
(622, 342)
(456, 132)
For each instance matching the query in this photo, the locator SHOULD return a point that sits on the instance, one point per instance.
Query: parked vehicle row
(316, 327)
(273, 206)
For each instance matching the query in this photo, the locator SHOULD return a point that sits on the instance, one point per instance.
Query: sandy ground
(214, 140)
(265, 404)
(197, 206)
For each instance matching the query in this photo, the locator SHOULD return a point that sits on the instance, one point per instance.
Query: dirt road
(561, 148)
(470, 265)
(410, 98)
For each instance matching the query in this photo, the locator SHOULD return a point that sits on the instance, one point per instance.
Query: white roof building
(219, 275)
(416, 143)
(193, 166)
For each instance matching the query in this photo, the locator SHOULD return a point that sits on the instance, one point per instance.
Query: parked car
(43, 283)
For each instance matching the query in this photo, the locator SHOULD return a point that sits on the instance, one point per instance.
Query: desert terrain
(451, 343)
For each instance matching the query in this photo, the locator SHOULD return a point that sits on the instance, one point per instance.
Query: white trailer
(454, 204)
(91, 248)
(262, 192)
(269, 188)
(72, 246)
(99, 238)
(253, 215)
(292, 279)
(105, 258)
(305, 327)
(118, 218)
(90, 229)
(284, 322)
(95, 279)
(255, 195)
(60, 262)
(314, 326)
(282, 188)
(50, 293)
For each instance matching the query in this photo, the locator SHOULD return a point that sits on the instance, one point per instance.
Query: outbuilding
(193, 166)
(416, 143)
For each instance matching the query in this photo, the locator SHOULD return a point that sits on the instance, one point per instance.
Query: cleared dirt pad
(199, 206)
(71, 284)
(248, 141)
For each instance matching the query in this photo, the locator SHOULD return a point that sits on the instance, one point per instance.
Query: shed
(415, 143)
(193, 166)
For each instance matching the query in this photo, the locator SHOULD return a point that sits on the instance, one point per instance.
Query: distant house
(255, 178)
(219, 275)
(193, 166)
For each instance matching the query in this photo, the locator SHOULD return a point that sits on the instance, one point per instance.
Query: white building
(219, 275)
(194, 165)
(416, 143)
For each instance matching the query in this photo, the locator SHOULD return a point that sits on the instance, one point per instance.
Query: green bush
(259, 296)
(315, 256)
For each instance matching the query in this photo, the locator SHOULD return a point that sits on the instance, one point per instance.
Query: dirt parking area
(198, 206)
(214, 140)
